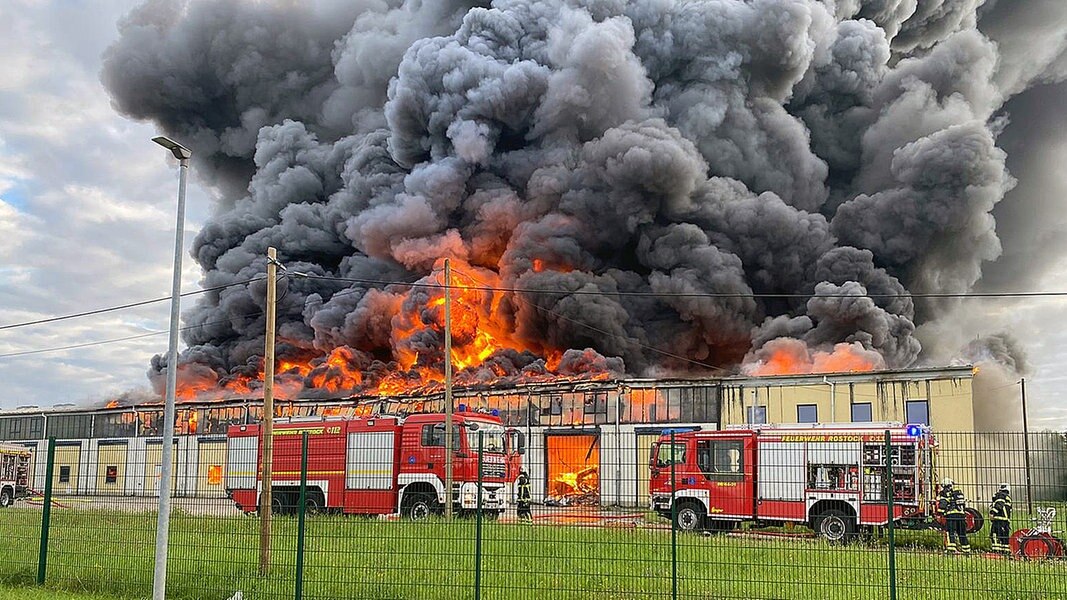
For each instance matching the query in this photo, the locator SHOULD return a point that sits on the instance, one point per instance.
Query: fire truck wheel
(834, 526)
(313, 504)
(420, 507)
(6, 498)
(278, 503)
(689, 517)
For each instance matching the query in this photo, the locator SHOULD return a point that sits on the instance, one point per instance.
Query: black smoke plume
(647, 165)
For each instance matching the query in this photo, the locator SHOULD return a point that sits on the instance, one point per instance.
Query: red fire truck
(829, 477)
(14, 473)
(377, 465)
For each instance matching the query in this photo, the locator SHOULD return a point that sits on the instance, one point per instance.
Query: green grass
(32, 593)
(110, 554)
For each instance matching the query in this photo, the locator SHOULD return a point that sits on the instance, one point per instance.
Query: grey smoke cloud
(673, 157)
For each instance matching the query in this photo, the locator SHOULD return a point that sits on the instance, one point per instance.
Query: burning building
(588, 441)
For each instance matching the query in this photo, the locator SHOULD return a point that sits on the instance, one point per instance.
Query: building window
(596, 403)
(861, 413)
(555, 406)
(112, 474)
(807, 413)
(533, 413)
(918, 412)
(64, 474)
(756, 415)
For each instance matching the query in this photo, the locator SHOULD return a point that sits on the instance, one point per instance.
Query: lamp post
(159, 577)
(1026, 450)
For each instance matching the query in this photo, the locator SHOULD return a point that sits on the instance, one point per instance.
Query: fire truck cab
(830, 477)
(14, 473)
(377, 465)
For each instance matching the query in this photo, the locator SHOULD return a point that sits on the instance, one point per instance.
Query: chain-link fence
(360, 509)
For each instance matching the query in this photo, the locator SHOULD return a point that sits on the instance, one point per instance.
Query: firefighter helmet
(1005, 487)
(946, 482)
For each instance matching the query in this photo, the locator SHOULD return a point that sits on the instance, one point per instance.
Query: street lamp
(159, 578)
(1026, 450)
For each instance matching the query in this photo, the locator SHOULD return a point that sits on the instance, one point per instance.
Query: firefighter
(951, 503)
(523, 501)
(1000, 514)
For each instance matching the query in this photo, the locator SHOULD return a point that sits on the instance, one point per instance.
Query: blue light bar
(462, 408)
(915, 430)
(495, 412)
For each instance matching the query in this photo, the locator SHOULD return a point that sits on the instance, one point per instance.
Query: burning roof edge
(887, 375)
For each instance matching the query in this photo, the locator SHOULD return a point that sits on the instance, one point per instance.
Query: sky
(87, 207)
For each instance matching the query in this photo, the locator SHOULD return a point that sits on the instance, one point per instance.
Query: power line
(83, 345)
(125, 339)
(965, 295)
(124, 306)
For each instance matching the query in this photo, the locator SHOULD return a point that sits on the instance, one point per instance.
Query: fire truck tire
(835, 527)
(420, 507)
(279, 504)
(313, 503)
(6, 498)
(975, 520)
(689, 517)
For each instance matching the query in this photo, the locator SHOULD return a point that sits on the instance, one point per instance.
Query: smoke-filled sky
(659, 149)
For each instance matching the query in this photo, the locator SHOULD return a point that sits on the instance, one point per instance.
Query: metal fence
(788, 517)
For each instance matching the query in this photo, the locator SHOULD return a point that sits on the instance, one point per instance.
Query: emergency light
(915, 430)
(462, 408)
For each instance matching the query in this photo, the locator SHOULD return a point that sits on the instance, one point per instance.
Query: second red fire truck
(832, 478)
(14, 473)
(377, 465)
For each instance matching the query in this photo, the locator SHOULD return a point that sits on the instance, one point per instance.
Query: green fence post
(674, 525)
(303, 512)
(46, 513)
(478, 527)
(891, 491)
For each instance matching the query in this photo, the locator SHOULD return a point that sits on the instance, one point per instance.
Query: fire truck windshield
(492, 438)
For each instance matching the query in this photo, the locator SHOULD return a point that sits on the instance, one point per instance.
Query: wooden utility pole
(268, 414)
(448, 389)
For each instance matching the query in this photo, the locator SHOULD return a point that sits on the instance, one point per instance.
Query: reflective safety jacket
(1000, 508)
(951, 501)
(524, 489)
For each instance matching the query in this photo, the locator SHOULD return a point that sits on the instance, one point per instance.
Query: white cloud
(86, 211)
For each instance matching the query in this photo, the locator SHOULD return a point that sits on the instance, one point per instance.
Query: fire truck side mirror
(516, 442)
(652, 455)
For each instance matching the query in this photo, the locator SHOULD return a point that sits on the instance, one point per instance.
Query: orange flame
(787, 356)
(479, 327)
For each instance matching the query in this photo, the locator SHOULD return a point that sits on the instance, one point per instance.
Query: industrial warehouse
(588, 441)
